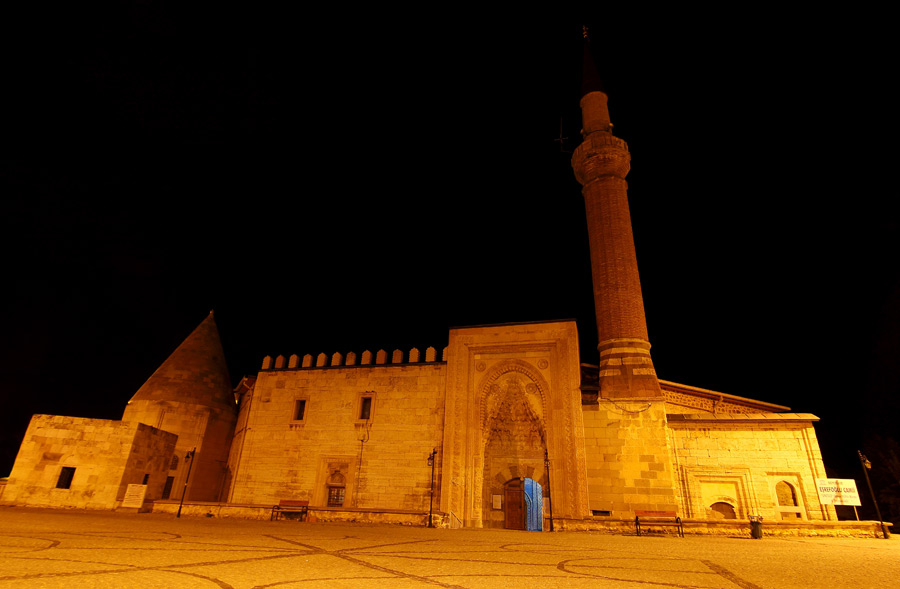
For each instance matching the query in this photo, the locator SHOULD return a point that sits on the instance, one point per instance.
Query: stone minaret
(601, 163)
(630, 415)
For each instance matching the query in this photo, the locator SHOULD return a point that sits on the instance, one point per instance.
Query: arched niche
(513, 441)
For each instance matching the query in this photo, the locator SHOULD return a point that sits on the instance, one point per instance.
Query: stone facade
(502, 403)
(737, 465)
(352, 435)
(87, 463)
(355, 436)
(628, 465)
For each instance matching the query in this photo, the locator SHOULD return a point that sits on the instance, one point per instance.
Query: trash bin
(756, 526)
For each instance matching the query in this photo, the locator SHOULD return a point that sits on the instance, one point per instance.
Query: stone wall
(765, 464)
(87, 463)
(377, 463)
(201, 427)
(628, 467)
(315, 514)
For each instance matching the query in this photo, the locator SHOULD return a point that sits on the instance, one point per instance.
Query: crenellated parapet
(336, 360)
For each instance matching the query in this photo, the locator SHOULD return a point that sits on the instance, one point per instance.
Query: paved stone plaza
(55, 548)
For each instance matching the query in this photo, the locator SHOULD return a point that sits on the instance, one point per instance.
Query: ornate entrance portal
(513, 448)
(512, 411)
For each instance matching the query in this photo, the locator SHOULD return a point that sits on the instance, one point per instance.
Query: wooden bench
(289, 506)
(657, 519)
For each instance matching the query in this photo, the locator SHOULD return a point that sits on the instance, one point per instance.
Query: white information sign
(838, 491)
(134, 496)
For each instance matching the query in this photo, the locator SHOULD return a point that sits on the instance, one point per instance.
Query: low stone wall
(385, 516)
(723, 527)
(223, 510)
(315, 514)
(712, 527)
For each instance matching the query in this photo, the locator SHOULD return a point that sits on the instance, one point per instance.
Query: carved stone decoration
(512, 406)
(504, 375)
(513, 437)
(513, 433)
(337, 476)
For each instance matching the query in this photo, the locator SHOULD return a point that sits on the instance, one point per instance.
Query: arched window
(787, 497)
(723, 510)
(788, 501)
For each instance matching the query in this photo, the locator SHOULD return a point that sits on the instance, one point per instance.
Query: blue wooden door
(534, 506)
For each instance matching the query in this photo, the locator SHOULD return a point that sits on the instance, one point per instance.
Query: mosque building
(504, 427)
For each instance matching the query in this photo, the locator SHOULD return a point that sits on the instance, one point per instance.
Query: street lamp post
(188, 456)
(363, 437)
(866, 467)
(547, 494)
(431, 503)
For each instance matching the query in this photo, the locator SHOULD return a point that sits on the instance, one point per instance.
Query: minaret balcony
(601, 154)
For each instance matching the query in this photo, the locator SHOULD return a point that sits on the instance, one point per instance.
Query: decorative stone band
(626, 369)
(733, 418)
(601, 155)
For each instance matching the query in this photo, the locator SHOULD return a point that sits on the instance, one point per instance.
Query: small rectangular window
(335, 496)
(299, 409)
(167, 489)
(146, 478)
(65, 477)
(365, 408)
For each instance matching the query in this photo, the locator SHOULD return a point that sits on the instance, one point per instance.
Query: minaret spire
(630, 395)
(601, 163)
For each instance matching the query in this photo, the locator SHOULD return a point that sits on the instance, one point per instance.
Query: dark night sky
(327, 185)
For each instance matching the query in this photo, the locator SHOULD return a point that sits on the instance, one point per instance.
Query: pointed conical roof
(590, 78)
(195, 372)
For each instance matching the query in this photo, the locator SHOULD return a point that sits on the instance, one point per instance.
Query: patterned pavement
(54, 548)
